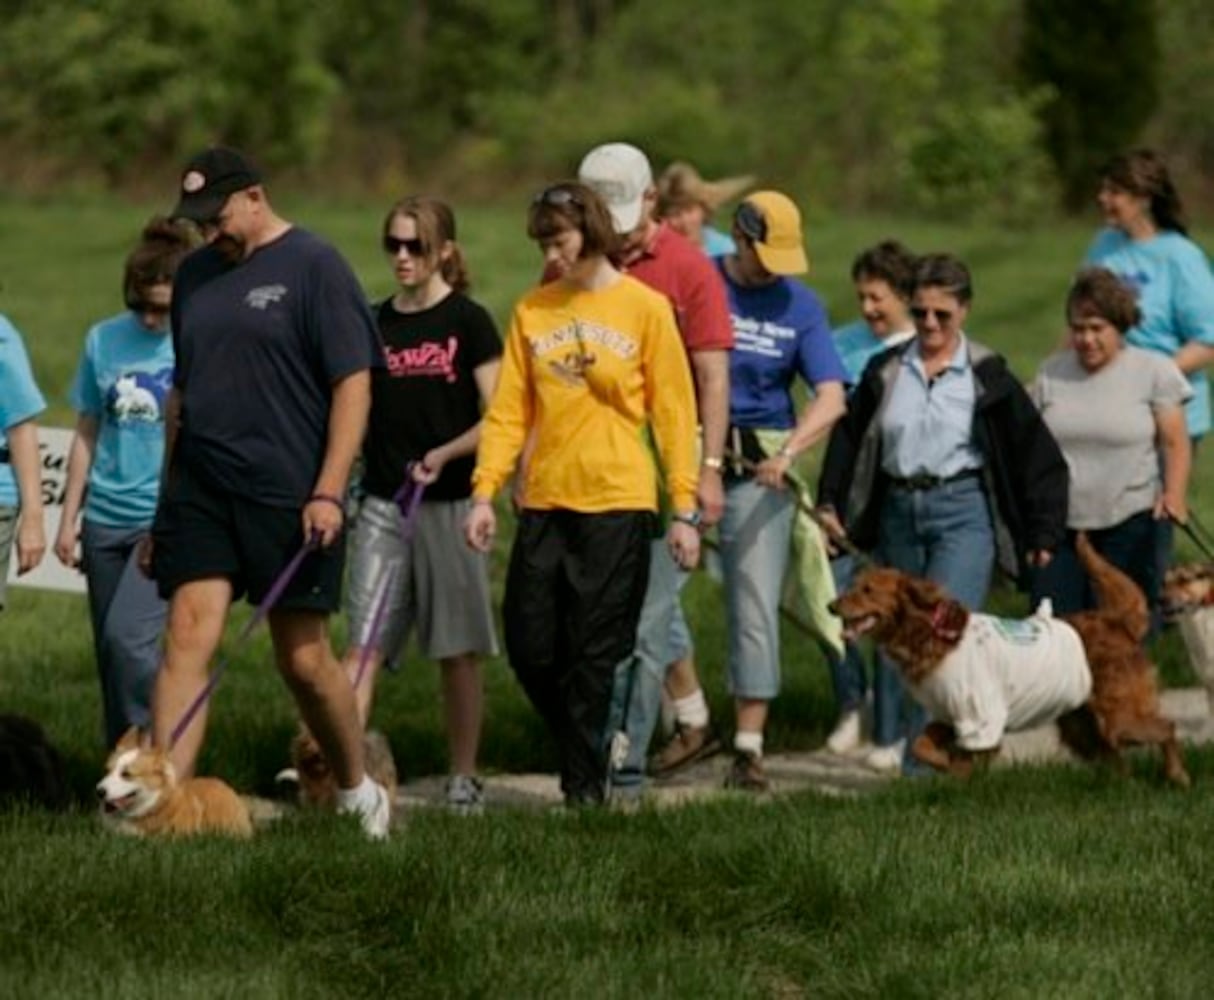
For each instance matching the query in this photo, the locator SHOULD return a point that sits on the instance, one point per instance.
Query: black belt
(926, 482)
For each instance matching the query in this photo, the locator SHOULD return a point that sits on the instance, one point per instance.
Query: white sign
(51, 574)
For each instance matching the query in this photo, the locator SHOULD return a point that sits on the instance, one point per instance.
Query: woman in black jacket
(942, 467)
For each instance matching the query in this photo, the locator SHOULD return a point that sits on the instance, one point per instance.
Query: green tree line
(991, 108)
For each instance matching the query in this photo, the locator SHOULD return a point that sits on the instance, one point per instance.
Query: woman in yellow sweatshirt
(593, 362)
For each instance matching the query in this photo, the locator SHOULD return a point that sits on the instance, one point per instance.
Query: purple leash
(263, 610)
(407, 500)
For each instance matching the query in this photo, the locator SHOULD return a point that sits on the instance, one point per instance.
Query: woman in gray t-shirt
(1117, 412)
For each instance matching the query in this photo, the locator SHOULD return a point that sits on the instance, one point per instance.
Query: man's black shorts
(202, 532)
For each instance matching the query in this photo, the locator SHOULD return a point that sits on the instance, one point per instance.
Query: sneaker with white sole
(376, 817)
(848, 734)
(465, 794)
(886, 759)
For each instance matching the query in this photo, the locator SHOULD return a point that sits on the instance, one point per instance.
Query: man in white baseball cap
(622, 175)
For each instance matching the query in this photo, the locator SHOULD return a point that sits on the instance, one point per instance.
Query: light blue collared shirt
(927, 426)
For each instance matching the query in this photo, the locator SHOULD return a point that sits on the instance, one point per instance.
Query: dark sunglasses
(557, 197)
(942, 316)
(393, 245)
(751, 222)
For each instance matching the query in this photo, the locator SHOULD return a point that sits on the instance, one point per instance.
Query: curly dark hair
(1097, 291)
(888, 261)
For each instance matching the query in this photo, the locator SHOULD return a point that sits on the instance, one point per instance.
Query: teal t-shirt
(122, 380)
(858, 345)
(19, 400)
(1176, 295)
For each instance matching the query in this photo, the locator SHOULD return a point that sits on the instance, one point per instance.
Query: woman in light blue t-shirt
(1146, 245)
(21, 518)
(121, 383)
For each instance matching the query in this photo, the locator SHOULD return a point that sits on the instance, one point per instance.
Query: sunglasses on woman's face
(394, 245)
(941, 316)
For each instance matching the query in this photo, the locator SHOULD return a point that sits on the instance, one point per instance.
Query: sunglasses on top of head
(557, 196)
(394, 245)
(751, 222)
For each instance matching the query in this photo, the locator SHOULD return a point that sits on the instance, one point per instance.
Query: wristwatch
(692, 518)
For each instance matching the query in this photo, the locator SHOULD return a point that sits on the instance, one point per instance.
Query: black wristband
(329, 498)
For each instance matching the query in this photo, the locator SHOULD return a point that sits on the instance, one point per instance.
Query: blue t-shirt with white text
(780, 331)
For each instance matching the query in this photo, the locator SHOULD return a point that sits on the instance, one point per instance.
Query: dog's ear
(921, 594)
(132, 739)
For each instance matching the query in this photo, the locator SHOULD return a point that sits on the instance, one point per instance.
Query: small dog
(975, 675)
(31, 769)
(140, 795)
(1188, 600)
(317, 784)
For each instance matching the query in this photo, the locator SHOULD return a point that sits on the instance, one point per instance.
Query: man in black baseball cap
(209, 179)
(274, 346)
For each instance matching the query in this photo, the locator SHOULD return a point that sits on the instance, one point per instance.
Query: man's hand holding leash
(324, 516)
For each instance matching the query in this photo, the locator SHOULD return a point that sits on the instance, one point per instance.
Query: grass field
(1032, 882)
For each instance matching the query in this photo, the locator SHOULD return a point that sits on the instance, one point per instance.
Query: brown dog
(140, 795)
(317, 784)
(1188, 600)
(1099, 685)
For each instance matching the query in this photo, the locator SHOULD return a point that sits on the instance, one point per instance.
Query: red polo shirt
(680, 270)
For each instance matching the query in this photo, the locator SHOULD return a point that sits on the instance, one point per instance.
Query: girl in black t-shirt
(441, 353)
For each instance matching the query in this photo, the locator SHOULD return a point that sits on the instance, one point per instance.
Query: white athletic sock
(360, 798)
(745, 741)
(692, 712)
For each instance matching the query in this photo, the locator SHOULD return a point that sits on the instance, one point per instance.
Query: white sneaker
(376, 817)
(848, 733)
(465, 794)
(887, 759)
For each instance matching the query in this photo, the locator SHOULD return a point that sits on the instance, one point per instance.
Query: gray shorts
(8, 532)
(441, 586)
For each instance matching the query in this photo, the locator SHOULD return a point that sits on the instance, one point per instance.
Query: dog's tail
(1118, 597)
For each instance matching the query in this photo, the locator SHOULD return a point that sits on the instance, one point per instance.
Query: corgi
(318, 786)
(141, 796)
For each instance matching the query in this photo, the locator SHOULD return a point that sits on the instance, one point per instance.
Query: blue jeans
(847, 675)
(128, 620)
(636, 696)
(1132, 546)
(945, 535)
(756, 531)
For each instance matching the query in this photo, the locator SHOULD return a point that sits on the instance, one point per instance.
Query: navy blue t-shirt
(259, 344)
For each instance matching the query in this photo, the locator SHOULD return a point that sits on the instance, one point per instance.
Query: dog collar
(948, 620)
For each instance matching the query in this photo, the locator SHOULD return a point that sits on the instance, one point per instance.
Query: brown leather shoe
(686, 747)
(746, 773)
